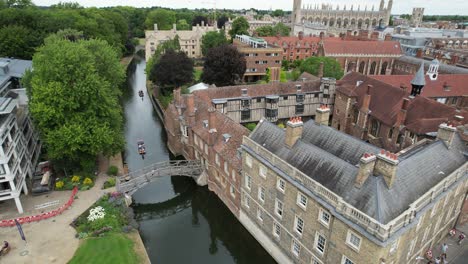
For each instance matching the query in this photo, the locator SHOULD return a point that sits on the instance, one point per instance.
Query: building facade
(306, 201)
(259, 56)
(369, 58)
(417, 16)
(189, 40)
(20, 145)
(451, 51)
(408, 65)
(295, 48)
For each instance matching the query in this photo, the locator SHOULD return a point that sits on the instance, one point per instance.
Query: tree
(197, 20)
(224, 65)
(18, 3)
(74, 102)
(278, 13)
(281, 29)
(240, 26)
(222, 20)
(172, 44)
(331, 67)
(183, 25)
(172, 70)
(265, 31)
(212, 39)
(17, 42)
(164, 18)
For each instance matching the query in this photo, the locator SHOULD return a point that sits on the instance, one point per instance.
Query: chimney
(212, 125)
(320, 71)
(386, 165)
(321, 35)
(367, 99)
(293, 131)
(203, 23)
(401, 117)
(446, 133)
(156, 27)
(388, 37)
(322, 115)
(300, 35)
(191, 108)
(366, 168)
(419, 53)
(177, 96)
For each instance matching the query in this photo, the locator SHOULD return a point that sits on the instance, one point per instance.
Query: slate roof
(333, 47)
(331, 157)
(419, 78)
(443, 68)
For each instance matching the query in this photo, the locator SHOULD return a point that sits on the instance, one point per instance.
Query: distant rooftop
(14, 67)
(254, 42)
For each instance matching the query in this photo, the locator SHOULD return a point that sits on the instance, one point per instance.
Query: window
(226, 170)
(185, 131)
(259, 100)
(324, 217)
(434, 210)
(245, 103)
(346, 260)
(217, 159)
(301, 200)
(245, 115)
(206, 149)
(248, 160)
(248, 182)
(279, 208)
(375, 127)
(276, 230)
(232, 191)
(246, 201)
(281, 185)
(2, 169)
(299, 109)
(320, 243)
(300, 98)
(260, 214)
(295, 248)
(233, 175)
(411, 248)
(285, 98)
(298, 225)
(262, 171)
(261, 194)
(394, 246)
(353, 240)
(355, 116)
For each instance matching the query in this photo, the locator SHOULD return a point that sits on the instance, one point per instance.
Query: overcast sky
(442, 7)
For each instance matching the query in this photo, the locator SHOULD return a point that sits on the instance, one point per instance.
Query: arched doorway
(359, 24)
(338, 23)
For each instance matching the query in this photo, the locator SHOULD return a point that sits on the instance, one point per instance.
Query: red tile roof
(457, 83)
(361, 47)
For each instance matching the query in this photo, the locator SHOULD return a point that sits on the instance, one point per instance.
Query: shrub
(281, 125)
(109, 183)
(87, 181)
(59, 185)
(113, 170)
(82, 235)
(76, 179)
(251, 126)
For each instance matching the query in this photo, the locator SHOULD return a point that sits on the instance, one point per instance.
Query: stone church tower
(296, 13)
(417, 16)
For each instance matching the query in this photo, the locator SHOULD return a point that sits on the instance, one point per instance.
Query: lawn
(197, 74)
(112, 248)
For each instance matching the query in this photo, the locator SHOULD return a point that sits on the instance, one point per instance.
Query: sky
(439, 7)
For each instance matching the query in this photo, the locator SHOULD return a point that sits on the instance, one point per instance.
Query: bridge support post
(128, 199)
(202, 180)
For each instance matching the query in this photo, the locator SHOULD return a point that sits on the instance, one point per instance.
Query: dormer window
(244, 92)
(298, 88)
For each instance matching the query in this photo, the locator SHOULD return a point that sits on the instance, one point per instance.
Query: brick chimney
(386, 165)
(293, 131)
(177, 98)
(320, 71)
(388, 37)
(419, 53)
(322, 115)
(212, 125)
(401, 117)
(366, 168)
(300, 35)
(446, 133)
(367, 99)
(190, 102)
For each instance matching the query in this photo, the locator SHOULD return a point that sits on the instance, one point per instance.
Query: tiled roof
(361, 47)
(442, 67)
(319, 155)
(386, 102)
(293, 41)
(456, 83)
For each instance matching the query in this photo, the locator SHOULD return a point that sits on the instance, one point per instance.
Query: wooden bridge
(132, 182)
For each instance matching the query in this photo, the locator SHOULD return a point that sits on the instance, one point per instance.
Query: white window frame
(261, 194)
(298, 228)
(277, 206)
(217, 159)
(232, 191)
(248, 160)
(346, 260)
(316, 243)
(294, 243)
(300, 201)
(248, 182)
(349, 241)
(321, 220)
(184, 131)
(260, 214)
(411, 248)
(262, 171)
(276, 230)
(233, 175)
(226, 168)
(246, 201)
(278, 185)
(394, 246)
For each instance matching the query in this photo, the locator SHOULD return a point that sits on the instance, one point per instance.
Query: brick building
(368, 58)
(295, 48)
(259, 56)
(311, 194)
(452, 51)
(388, 116)
(408, 65)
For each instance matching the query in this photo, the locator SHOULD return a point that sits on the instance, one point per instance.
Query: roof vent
(298, 88)
(226, 137)
(205, 123)
(244, 92)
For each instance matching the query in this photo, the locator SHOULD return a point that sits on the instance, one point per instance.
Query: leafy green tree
(331, 67)
(74, 99)
(222, 20)
(172, 70)
(164, 18)
(17, 42)
(281, 29)
(172, 44)
(265, 31)
(183, 25)
(224, 65)
(197, 20)
(211, 40)
(240, 26)
(18, 3)
(278, 13)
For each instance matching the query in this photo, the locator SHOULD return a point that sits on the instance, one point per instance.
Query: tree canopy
(183, 25)
(164, 18)
(17, 42)
(224, 65)
(240, 26)
(222, 20)
(331, 68)
(172, 44)
(172, 70)
(212, 39)
(279, 29)
(74, 92)
(278, 13)
(197, 20)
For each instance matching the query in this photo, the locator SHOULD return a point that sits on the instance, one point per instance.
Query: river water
(180, 222)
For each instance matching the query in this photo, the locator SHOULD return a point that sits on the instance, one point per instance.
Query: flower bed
(84, 181)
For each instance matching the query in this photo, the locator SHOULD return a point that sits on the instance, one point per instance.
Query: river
(180, 222)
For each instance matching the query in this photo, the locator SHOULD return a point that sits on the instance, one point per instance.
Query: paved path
(456, 254)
